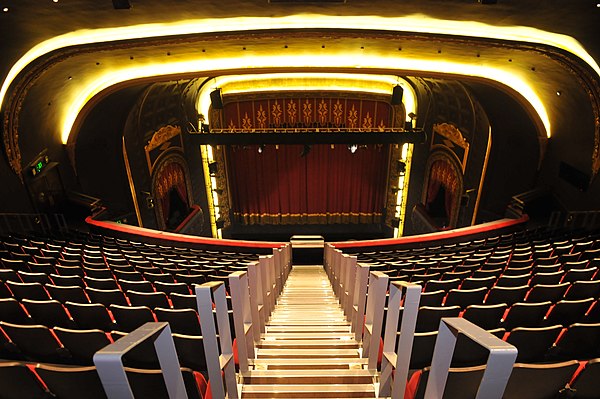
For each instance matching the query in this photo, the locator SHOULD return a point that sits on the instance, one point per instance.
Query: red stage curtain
(328, 185)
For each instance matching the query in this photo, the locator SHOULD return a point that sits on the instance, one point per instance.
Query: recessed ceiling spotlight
(55, 1)
(5, 9)
(558, 92)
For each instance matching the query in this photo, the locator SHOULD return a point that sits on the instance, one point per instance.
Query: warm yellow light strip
(299, 61)
(417, 23)
(206, 152)
(413, 23)
(381, 84)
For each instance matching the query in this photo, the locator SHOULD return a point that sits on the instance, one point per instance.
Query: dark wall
(514, 157)
(14, 197)
(98, 153)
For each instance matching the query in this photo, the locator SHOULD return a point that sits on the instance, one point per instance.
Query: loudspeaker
(121, 4)
(574, 176)
(216, 100)
(397, 95)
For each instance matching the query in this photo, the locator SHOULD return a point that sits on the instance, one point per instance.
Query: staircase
(308, 350)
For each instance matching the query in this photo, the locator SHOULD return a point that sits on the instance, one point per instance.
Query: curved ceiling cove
(80, 92)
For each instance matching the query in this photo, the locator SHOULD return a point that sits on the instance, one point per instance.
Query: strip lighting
(417, 23)
(290, 82)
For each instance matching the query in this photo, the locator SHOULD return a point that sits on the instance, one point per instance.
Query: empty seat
(543, 292)
(537, 381)
(428, 318)
(190, 351)
(151, 384)
(508, 295)
(533, 343)
(434, 298)
(128, 275)
(585, 383)
(567, 312)
(33, 291)
(182, 321)
(67, 281)
(487, 317)
(579, 274)
(107, 297)
(149, 299)
(513, 281)
(30, 277)
(171, 288)
(19, 382)
(91, 316)
(471, 283)
(444, 285)
(69, 270)
(526, 315)
(50, 313)
(11, 311)
(580, 341)
(162, 277)
(82, 344)
(65, 294)
(103, 273)
(139, 286)
(10, 275)
(469, 353)
(101, 283)
(464, 298)
(72, 382)
(36, 342)
(128, 318)
(584, 289)
(184, 301)
(546, 278)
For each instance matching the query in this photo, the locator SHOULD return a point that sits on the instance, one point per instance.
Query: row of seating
(535, 345)
(44, 381)
(96, 316)
(59, 345)
(569, 379)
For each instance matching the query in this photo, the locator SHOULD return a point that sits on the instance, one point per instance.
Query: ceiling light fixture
(5, 9)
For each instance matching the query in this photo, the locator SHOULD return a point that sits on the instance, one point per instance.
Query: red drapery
(170, 176)
(443, 174)
(328, 185)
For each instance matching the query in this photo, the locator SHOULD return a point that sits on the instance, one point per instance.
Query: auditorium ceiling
(68, 51)
(59, 57)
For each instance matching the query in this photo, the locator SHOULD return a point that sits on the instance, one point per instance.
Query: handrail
(499, 364)
(109, 361)
(462, 232)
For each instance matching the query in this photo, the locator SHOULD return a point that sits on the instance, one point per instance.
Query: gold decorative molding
(163, 135)
(451, 137)
(452, 133)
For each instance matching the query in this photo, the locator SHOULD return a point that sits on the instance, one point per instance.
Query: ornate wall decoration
(309, 111)
(162, 140)
(448, 135)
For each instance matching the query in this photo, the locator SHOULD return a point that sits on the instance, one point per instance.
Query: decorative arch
(443, 188)
(171, 190)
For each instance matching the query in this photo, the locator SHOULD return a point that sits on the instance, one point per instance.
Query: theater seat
(72, 382)
(19, 382)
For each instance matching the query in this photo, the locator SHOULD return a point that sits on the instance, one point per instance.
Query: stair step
(309, 391)
(303, 364)
(292, 377)
(311, 334)
(343, 328)
(306, 353)
(333, 344)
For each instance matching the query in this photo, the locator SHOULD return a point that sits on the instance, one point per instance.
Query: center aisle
(308, 350)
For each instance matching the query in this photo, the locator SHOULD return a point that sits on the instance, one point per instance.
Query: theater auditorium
(299, 199)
